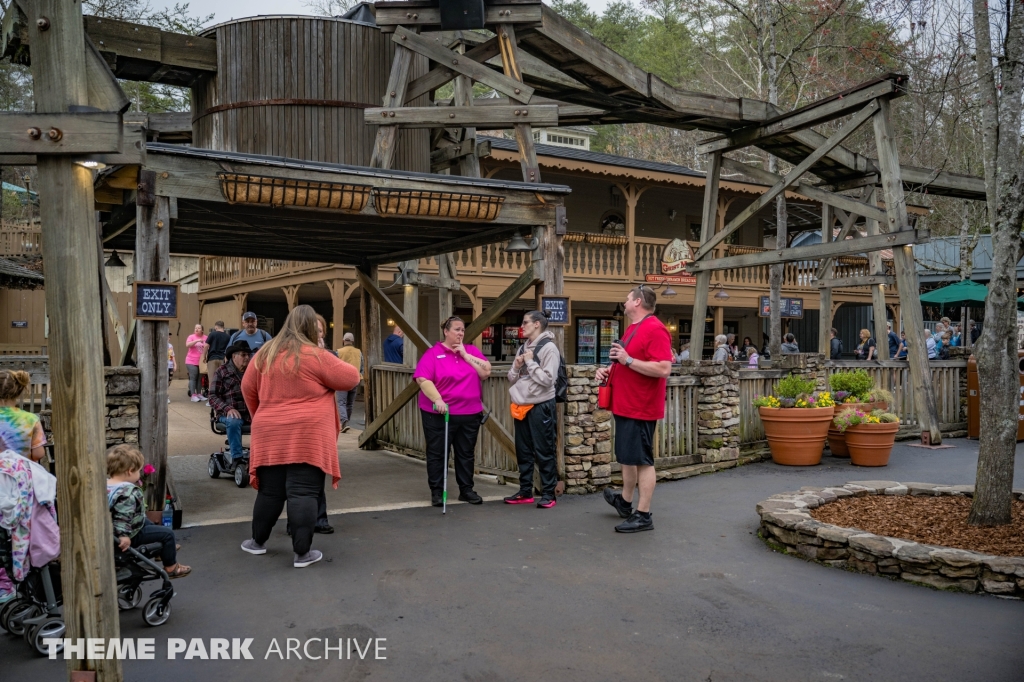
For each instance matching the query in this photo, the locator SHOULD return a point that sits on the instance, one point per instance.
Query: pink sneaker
(547, 502)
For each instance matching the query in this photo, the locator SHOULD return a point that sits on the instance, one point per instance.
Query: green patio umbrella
(962, 293)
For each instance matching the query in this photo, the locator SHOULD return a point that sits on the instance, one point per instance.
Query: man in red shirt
(641, 362)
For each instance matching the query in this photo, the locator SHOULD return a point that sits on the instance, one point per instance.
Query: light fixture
(114, 261)
(518, 245)
(671, 214)
(721, 294)
(391, 323)
(91, 165)
(619, 310)
(669, 291)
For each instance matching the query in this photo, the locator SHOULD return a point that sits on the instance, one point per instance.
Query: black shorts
(634, 441)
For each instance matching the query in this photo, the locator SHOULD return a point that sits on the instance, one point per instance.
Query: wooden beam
(849, 220)
(811, 192)
(814, 252)
(859, 281)
(514, 291)
(391, 310)
(369, 317)
(104, 91)
(504, 438)
(442, 74)
(462, 117)
(825, 293)
(410, 307)
(877, 290)
(74, 308)
(707, 230)
(43, 133)
(906, 274)
(367, 439)
(462, 64)
(813, 114)
(524, 131)
(779, 187)
(384, 146)
(133, 41)
(412, 277)
(430, 17)
(129, 344)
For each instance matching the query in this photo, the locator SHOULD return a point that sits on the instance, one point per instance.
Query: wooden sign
(155, 300)
(792, 308)
(558, 308)
(683, 279)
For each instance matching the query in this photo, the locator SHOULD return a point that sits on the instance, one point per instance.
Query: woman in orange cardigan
(291, 382)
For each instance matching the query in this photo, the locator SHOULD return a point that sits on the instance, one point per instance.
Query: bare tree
(1000, 88)
(331, 8)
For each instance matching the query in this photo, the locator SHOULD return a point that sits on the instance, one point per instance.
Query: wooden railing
(754, 383)
(404, 433)
(18, 239)
(21, 349)
(894, 375)
(36, 397)
(587, 257)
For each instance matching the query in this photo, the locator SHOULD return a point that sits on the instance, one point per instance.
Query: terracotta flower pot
(837, 442)
(864, 407)
(871, 444)
(796, 436)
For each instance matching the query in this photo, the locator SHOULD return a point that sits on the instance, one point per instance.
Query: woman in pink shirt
(196, 344)
(449, 375)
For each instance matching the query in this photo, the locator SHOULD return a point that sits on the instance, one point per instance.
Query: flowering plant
(766, 401)
(852, 416)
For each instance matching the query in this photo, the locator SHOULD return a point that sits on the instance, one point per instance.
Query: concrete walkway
(497, 593)
(370, 479)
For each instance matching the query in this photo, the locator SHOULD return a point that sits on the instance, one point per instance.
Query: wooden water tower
(297, 86)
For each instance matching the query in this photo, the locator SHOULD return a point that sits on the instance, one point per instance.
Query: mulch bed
(931, 520)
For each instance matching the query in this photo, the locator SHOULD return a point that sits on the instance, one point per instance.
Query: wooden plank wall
(23, 304)
(305, 58)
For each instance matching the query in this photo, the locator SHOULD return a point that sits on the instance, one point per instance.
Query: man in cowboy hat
(226, 399)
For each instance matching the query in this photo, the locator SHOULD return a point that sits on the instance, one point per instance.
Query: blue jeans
(234, 427)
(346, 401)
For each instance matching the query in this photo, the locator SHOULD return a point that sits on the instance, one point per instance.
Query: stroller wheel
(51, 628)
(213, 468)
(241, 475)
(156, 612)
(16, 618)
(5, 611)
(128, 597)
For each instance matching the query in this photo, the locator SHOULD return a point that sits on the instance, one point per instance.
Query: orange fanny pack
(519, 411)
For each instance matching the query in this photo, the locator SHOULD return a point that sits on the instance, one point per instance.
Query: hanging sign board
(674, 260)
(19, 324)
(557, 308)
(155, 300)
(792, 308)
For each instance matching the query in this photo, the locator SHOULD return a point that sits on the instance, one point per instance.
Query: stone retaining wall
(786, 523)
(122, 406)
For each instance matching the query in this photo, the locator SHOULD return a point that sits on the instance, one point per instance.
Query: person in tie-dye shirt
(20, 431)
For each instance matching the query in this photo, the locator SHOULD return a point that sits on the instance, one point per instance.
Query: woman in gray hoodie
(532, 380)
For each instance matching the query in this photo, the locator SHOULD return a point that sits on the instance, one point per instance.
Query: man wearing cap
(226, 396)
(346, 399)
(249, 333)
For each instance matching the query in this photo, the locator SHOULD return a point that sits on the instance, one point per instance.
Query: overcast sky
(236, 9)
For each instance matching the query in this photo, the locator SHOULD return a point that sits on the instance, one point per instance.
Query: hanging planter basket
(437, 204)
(260, 189)
(574, 237)
(606, 239)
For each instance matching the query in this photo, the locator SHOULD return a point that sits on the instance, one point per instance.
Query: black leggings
(463, 430)
(297, 484)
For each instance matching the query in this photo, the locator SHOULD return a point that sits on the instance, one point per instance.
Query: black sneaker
(614, 498)
(436, 499)
(547, 502)
(324, 530)
(521, 497)
(471, 497)
(635, 523)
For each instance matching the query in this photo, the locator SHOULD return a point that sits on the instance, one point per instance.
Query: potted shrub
(796, 421)
(869, 435)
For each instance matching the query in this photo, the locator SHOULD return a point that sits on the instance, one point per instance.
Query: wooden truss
(886, 228)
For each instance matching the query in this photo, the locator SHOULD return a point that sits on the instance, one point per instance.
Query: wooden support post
(707, 230)
(291, 295)
(719, 323)
(369, 313)
(152, 264)
(875, 267)
(444, 295)
(385, 144)
(469, 165)
(906, 276)
(242, 300)
(74, 308)
(524, 132)
(338, 299)
(411, 311)
(825, 295)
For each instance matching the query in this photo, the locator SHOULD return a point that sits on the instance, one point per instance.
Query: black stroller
(221, 462)
(35, 613)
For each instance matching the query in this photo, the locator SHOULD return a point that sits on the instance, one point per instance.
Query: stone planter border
(787, 525)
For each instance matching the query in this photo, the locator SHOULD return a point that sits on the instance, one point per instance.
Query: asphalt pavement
(494, 593)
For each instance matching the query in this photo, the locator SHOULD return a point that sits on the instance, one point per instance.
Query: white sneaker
(168, 401)
(196, 398)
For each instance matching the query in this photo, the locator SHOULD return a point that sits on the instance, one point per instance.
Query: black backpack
(562, 379)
